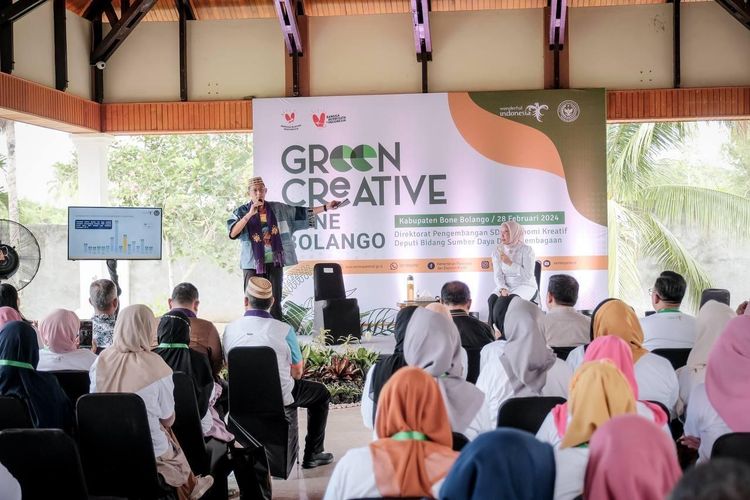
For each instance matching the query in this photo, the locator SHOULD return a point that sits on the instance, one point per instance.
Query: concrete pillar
(93, 190)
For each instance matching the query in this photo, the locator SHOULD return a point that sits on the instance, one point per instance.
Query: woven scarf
(255, 230)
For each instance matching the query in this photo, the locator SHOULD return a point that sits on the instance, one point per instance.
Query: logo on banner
(289, 119)
(536, 110)
(322, 119)
(568, 111)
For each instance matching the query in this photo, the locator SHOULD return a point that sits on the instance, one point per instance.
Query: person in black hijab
(48, 405)
(173, 336)
(384, 369)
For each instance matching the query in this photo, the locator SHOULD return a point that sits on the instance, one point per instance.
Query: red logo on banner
(319, 120)
(289, 117)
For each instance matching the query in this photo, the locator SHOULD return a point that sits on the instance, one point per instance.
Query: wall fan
(19, 254)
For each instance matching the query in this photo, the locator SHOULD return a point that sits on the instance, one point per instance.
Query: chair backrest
(538, 274)
(254, 384)
(75, 383)
(115, 444)
(14, 414)
(473, 354)
(562, 352)
(459, 441)
(328, 281)
(526, 413)
(45, 462)
(187, 424)
(735, 445)
(678, 357)
(718, 294)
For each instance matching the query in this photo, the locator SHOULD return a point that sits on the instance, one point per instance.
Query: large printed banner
(430, 178)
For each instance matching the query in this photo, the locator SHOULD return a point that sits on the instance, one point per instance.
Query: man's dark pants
(315, 398)
(274, 274)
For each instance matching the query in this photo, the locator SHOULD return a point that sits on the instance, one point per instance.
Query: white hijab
(711, 321)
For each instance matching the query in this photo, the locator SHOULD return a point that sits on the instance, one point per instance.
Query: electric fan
(19, 254)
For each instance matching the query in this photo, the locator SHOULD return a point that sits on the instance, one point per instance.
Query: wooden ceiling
(165, 10)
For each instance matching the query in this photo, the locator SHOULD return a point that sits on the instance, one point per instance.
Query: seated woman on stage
(413, 454)
(513, 265)
(59, 331)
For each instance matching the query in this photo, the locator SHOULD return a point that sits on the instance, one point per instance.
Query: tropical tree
(8, 129)
(644, 205)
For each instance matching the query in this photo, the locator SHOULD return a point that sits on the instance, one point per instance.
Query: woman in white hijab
(513, 264)
(130, 366)
(711, 321)
(524, 366)
(432, 342)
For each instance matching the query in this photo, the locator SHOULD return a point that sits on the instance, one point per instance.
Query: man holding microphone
(265, 229)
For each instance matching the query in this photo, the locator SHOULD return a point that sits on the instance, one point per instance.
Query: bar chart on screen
(125, 233)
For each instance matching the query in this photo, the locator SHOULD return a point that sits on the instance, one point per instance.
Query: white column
(93, 190)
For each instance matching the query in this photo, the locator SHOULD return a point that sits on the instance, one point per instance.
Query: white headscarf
(711, 321)
(432, 342)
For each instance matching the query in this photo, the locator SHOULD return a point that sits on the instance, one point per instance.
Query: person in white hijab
(513, 264)
(432, 342)
(524, 366)
(711, 321)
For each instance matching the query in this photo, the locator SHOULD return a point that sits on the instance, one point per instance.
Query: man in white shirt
(258, 328)
(563, 326)
(668, 328)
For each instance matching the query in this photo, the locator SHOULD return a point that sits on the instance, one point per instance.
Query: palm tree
(643, 204)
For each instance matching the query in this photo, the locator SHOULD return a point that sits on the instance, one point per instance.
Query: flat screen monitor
(121, 233)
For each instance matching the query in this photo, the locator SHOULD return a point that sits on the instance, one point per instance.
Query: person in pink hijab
(722, 404)
(630, 458)
(59, 332)
(8, 314)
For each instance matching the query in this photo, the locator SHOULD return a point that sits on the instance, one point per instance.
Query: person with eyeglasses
(669, 328)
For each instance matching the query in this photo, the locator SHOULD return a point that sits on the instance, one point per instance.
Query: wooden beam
(97, 74)
(15, 11)
(130, 19)
(740, 10)
(177, 117)
(676, 43)
(714, 103)
(182, 11)
(109, 11)
(297, 67)
(556, 57)
(6, 42)
(61, 44)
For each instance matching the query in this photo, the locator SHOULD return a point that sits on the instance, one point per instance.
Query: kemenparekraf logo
(535, 110)
(289, 119)
(321, 119)
(568, 111)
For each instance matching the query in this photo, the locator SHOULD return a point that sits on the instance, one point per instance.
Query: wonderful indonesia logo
(535, 110)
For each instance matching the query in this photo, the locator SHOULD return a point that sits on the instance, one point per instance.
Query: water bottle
(410, 288)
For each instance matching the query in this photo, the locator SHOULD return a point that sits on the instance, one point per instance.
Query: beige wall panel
(146, 66)
(715, 47)
(621, 47)
(33, 46)
(235, 59)
(363, 55)
(487, 50)
(79, 71)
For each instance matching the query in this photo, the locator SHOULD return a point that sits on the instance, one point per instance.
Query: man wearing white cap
(265, 230)
(258, 328)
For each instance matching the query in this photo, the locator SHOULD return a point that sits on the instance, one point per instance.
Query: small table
(418, 302)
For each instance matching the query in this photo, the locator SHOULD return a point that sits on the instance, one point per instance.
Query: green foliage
(64, 184)
(197, 179)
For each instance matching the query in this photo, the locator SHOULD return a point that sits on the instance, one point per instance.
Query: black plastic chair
(526, 414)
(678, 357)
(75, 383)
(718, 294)
(735, 445)
(473, 354)
(187, 428)
(459, 441)
(45, 462)
(332, 310)
(562, 352)
(14, 414)
(116, 449)
(257, 406)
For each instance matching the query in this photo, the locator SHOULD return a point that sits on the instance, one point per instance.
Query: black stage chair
(526, 414)
(735, 445)
(14, 414)
(45, 462)
(333, 311)
(678, 357)
(187, 428)
(75, 383)
(473, 356)
(116, 449)
(562, 352)
(718, 294)
(257, 406)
